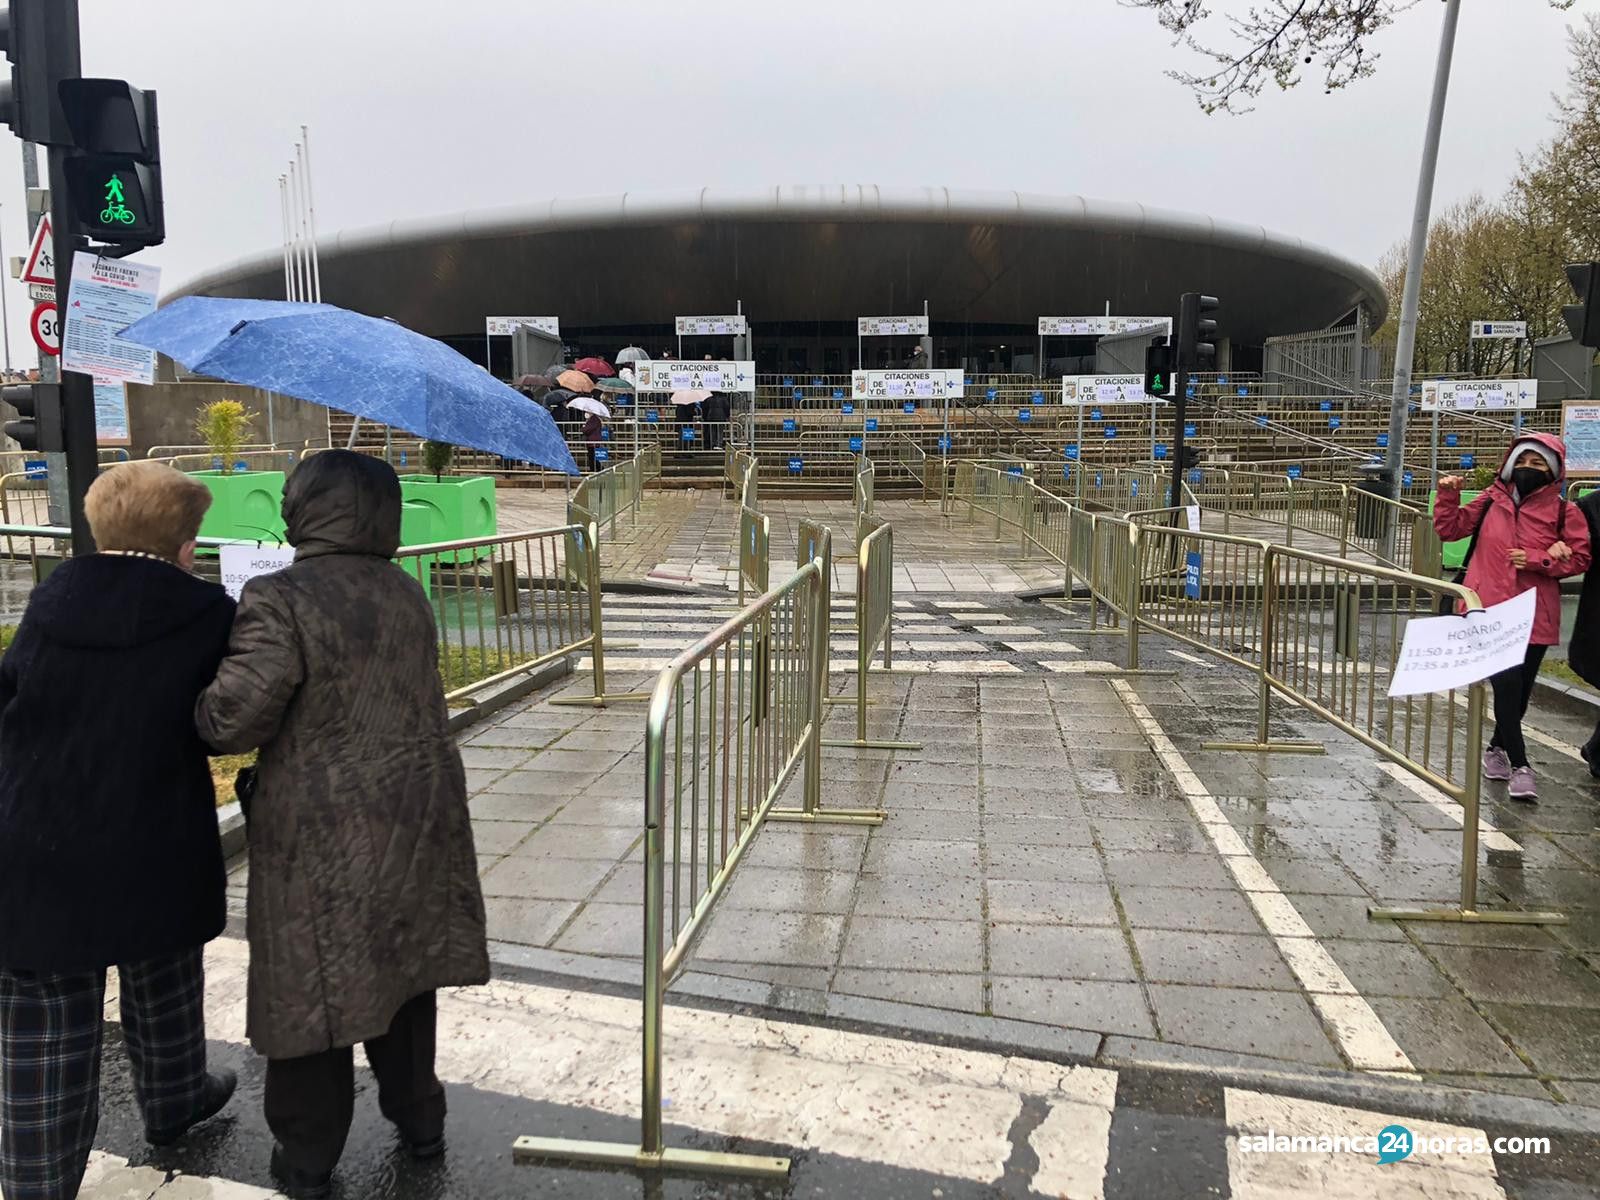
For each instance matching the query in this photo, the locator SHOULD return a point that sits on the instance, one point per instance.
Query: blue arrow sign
(788, 381)
(1094, 414)
(1326, 406)
(798, 394)
(838, 393)
(991, 393)
(1013, 470)
(1191, 431)
(1070, 451)
(1334, 422)
(1036, 398)
(1025, 414)
(1111, 431)
(855, 445)
(1261, 418)
(910, 406)
(1161, 450)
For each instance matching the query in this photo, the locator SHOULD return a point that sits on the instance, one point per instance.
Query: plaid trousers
(50, 1064)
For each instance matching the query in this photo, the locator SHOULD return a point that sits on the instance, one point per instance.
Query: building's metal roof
(828, 253)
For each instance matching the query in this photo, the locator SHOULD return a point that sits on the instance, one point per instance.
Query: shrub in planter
(245, 504)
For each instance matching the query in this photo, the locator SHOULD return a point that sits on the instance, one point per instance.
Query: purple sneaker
(1522, 785)
(1495, 764)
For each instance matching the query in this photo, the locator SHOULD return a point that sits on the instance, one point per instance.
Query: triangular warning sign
(41, 264)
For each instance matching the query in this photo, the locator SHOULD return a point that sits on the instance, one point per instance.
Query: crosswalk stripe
(1490, 839)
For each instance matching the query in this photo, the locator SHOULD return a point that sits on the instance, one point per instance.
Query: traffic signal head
(1158, 368)
(1583, 318)
(41, 39)
(1197, 349)
(38, 425)
(115, 178)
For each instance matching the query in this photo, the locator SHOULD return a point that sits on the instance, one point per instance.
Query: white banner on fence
(1106, 389)
(891, 326)
(506, 326)
(1499, 329)
(934, 384)
(241, 564)
(665, 375)
(710, 326)
(1091, 326)
(1479, 394)
(1440, 653)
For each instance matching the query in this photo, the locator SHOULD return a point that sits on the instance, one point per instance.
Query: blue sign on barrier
(847, 409)
(605, 435)
(652, 416)
(1066, 471)
(1161, 450)
(944, 445)
(1013, 470)
(1450, 439)
(687, 435)
(910, 406)
(798, 394)
(1334, 422)
(1294, 472)
(1194, 476)
(1036, 398)
(789, 425)
(602, 455)
(1070, 451)
(1191, 431)
(1406, 479)
(872, 424)
(1383, 441)
(1326, 406)
(1097, 478)
(991, 393)
(1261, 418)
(855, 445)
(1111, 431)
(816, 381)
(402, 458)
(1133, 488)
(1223, 380)
(1468, 460)
(796, 465)
(1189, 391)
(1244, 391)
(788, 381)
(838, 393)
(1094, 414)
(1024, 414)
(1191, 574)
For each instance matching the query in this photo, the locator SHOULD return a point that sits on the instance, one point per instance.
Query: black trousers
(50, 1064)
(1513, 688)
(310, 1101)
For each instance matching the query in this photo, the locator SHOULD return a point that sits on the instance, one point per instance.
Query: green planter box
(458, 508)
(247, 505)
(1455, 553)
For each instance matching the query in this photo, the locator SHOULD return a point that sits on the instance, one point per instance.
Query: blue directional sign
(1261, 418)
(1334, 422)
(652, 416)
(798, 394)
(847, 409)
(910, 406)
(1191, 574)
(1013, 470)
(1326, 406)
(788, 381)
(838, 393)
(1111, 431)
(872, 424)
(1293, 472)
(1195, 476)
(605, 435)
(1223, 380)
(1161, 450)
(241, 465)
(789, 425)
(1070, 451)
(1383, 441)
(944, 445)
(1094, 414)
(1450, 439)
(687, 435)
(816, 381)
(1097, 477)
(602, 455)
(1468, 460)
(796, 465)
(855, 445)
(1189, 391)
(1133, 488)
(1191, 431)
(991, 393)
(1406, 479)
(1036, 398)
(402, 458)
(1244, 391)
(1024, 414)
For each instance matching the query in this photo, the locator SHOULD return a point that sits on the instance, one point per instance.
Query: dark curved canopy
(820, 254)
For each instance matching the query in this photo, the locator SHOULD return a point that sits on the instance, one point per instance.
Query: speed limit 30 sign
(45, 325)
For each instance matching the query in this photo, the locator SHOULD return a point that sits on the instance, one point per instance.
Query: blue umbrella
(374, 368)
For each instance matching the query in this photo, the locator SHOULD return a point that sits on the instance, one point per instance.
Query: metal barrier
(874, 622)
(251, 460)
(731, 721)
(755, 550)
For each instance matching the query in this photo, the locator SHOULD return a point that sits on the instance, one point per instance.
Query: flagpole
(311, 219)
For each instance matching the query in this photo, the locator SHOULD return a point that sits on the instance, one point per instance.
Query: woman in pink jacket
(1524, 536)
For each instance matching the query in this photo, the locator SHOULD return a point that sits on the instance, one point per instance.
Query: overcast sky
(419, 108)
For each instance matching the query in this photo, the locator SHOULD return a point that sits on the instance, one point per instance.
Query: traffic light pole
(77, 390)
(1180, 404)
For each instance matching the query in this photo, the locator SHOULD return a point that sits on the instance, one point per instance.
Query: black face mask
(1529, 479)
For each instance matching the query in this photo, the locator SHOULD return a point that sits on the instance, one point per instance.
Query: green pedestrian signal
(1158, 370)
(116, 211)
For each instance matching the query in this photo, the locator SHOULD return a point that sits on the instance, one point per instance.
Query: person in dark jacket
(592, 428)
(1583, 654)
(109, 854)
(363, 892)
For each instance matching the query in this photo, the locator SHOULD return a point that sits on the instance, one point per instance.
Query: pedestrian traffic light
(41, 39)
(38, 425)
(115, 176)
(1583, 319)
(1158, 368)
(1197, 350)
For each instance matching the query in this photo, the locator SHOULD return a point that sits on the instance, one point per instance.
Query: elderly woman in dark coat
(364, 894)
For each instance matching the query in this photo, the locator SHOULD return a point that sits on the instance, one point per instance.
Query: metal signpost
(506, 326)
(1089, 391)
(895, 327)
(1094, 327)
(1492, 330)
(732, 325)
(900, 386)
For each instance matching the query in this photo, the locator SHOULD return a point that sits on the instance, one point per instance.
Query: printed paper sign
(506, 326)
(891, 326)
(1105, 389)
(110, 413)
(241, 564)
(1440, 653)
(710, 326)
(107, 296)
(1098, 326)
(1192, 511)
(722, 376)
(926, 384)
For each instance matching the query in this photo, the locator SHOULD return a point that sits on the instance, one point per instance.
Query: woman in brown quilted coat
(364, 894)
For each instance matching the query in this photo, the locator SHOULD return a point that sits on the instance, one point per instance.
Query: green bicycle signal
(116, 209)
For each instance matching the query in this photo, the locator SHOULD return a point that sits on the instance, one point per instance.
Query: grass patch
(223, 768)
(7, 632)
(1558, 669)
(460, 666)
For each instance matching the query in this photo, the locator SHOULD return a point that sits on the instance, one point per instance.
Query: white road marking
(1076, 667)
(1550, 743)
(1332, 1175)
(1009, 630)
(939, 646)
(1027, 647)
(1489, 838)
(1188, 658)
(954, 605)
(1351, 1020)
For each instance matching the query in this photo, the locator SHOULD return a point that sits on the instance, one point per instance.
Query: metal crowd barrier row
(874, 624)
(731, 721)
